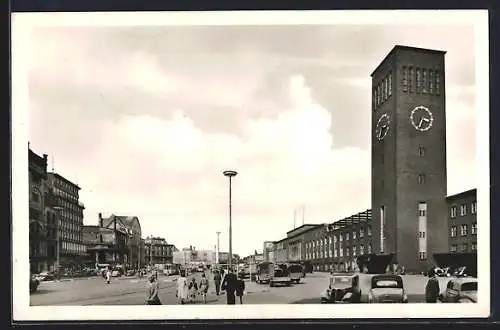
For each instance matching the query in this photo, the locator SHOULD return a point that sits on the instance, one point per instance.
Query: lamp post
(217, 251)
(230, 174)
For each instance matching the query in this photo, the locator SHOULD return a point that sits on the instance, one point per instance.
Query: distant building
(254, 258)
(462, 222)
(158, 251)
(131, 226)
(42, 230)
(65, 196)
(268, 251)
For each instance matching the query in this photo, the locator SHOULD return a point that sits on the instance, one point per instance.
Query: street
(132, 291)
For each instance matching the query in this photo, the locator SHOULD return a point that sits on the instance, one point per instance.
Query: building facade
(105, 245)
(409, 157)
(158, 251)
(462, 222)
(132, 248)
(41, 233)
(69, 211)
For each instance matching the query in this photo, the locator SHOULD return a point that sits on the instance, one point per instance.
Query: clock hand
(426, 119)
(420, 123)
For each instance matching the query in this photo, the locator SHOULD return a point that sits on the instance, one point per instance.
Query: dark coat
(240, 288)
(432, 290)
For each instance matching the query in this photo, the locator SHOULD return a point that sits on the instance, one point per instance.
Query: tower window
(390, 83)
(405, 79)
(453, 231)
(438, 83)
(386, 89)
(410, 79)
(419, 80)
(421, 178)
(431, 81)
(463, 230)
(421, 151)
(422, 255)
(474, 229)
(473, 208)
(374, 99)
(425, 82)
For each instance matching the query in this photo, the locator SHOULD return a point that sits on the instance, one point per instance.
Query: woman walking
(193, 290)
(153, 288)
(240, 289)
(182, 288)
(204, 287)
(108, 276)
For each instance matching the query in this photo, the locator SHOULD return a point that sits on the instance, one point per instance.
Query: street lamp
(230, 174)
(217, 251)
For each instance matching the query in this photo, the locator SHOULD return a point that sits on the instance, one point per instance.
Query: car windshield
(280, 273)
(344, 281)
(295, 269)
(469, 286)
(387, 283)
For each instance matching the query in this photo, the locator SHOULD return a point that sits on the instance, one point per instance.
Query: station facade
(410, 219)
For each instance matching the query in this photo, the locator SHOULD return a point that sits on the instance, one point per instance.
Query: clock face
(382, 127)
(421, 118)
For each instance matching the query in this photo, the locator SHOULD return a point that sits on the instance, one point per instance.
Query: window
(465, 246)
(369, 248)
(431, 81)
(422, 255)
(369, 231)
(335, 239)
(362, 249)
(463, 230)
(389, 81)
(374, 98)
(382, 229)
(422, 209)
(347, 252)
(421, 234)
(410, 80)
(438, 83)
(421, 178)
(386, 89)
(354, 251)
(474, 246)
(361, 233)
(453, 231)
(463, 209)
(421, 151)
(453, 212)
(425, 81)
(354, 235)
(453, 248)
(379, 94)
(473, 208)
(474, 229)
(347, 236)
(419, 80)
(405, 79)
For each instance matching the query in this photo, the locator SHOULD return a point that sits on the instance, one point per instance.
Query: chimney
(114, 223)
(45, 156)
(100, 219)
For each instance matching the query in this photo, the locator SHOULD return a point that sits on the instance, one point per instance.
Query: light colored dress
(182, 289)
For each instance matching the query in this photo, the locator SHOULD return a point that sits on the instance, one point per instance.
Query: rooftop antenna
(53, 163)
(294, 214)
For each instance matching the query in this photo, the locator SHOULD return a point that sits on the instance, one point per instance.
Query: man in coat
(230, 284)
(432, 288)
(217, 280)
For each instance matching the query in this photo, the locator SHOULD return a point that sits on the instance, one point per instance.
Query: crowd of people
(189, 290)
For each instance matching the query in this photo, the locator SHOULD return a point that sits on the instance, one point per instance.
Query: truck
(265, 271)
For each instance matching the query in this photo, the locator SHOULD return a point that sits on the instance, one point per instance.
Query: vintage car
(296, 272)
(280, 276)
(343, 288)
(460, 290)
(387, 289)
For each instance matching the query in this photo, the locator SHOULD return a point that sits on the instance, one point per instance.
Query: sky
(146, 118)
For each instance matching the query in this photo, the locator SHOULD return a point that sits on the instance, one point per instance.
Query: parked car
(460, 290)
(387, 289)
(342, 288)
(46, 276)
(130, 272)
(460, 272)
(34, 283)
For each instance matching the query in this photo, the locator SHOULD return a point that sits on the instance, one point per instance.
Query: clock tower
(409, 213)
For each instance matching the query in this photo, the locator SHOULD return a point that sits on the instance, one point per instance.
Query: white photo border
(22, 22)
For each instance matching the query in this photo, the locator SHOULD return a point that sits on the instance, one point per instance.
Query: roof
(408, 48)
(304, 225)
(59, 176)
(467, 193)
(359, 218)
(126, 221)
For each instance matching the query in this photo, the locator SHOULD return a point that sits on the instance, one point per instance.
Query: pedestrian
(153, 289)
(432, 288)
(217, 280)
(193, 289)
(240, 289)
(182, 288)
(204, 287)
(108, 276)
(229, 284)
